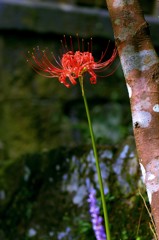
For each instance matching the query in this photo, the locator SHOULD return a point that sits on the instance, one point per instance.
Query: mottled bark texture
(141, 69)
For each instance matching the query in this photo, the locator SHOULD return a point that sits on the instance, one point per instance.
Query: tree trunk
(141, 70)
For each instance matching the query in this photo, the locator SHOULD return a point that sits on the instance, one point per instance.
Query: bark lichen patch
(152, 177)
(156, 108)
(143, 104)
(122, 3)
(144, 178)
(141, 60)
(143, 171)
(117, 22)
(124, 32)
(129, 90)
(143, 118)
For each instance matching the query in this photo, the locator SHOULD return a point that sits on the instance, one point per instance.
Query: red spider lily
(70, 66)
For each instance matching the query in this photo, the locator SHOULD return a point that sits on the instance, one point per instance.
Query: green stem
(97, 161)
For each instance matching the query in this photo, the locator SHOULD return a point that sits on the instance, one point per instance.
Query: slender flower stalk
(96, 160)
(70, 67)
(97, 220)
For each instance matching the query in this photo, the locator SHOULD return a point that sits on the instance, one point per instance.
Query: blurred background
(46, 162)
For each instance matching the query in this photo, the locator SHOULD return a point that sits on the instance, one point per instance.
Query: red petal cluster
(71, 66)
(75, 64)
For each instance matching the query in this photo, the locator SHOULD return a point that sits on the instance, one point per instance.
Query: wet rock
(44, 195)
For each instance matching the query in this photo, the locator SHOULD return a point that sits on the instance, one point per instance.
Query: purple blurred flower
(95, 215)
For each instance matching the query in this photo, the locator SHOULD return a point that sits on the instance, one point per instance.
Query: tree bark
(140, 65)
